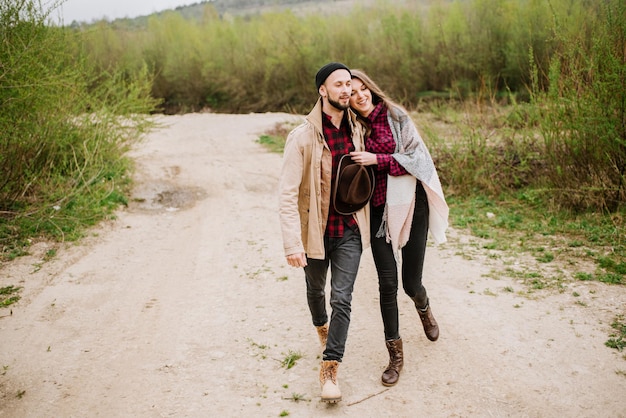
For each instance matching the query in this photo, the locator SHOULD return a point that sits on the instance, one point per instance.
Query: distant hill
(249, 8)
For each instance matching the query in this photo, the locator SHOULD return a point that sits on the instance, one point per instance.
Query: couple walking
(356, 173)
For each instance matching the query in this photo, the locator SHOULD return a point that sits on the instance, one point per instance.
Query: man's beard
(338, 105)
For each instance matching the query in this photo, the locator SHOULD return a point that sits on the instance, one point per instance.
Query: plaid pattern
(340, 142)
(381, 143)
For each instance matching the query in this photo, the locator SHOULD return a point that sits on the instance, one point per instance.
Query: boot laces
(330, 373)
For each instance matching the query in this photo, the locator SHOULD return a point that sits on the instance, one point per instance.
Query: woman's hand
(364, 158)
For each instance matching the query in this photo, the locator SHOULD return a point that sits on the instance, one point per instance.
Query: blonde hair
(377, 94)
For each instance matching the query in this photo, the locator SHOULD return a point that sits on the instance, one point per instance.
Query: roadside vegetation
(617, 339)
(9, 295)
(548, 77)
(64, 128)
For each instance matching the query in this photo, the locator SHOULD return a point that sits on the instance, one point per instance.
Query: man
(315, 235)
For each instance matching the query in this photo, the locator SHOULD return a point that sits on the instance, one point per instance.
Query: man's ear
(322, 90)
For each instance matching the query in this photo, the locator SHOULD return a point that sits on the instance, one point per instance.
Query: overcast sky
(89, 10)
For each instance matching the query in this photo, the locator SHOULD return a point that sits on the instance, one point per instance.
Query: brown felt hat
(354, 186)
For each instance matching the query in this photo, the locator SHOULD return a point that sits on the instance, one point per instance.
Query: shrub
(63, 127)
(583, 118)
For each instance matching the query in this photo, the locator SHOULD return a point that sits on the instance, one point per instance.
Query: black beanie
(327, 70)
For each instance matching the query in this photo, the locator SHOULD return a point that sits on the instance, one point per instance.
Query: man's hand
(297, 260)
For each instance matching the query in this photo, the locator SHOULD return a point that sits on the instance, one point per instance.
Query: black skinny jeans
(412, 263)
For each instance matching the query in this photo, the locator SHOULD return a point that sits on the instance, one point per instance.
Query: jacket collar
(315, 117)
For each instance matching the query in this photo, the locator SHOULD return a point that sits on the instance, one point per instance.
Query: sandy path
(185, 307)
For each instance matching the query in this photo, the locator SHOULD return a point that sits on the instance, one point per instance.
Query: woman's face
(361, 98)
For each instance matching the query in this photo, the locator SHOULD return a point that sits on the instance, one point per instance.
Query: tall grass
(559, 66)
(583, 112)
(266, 62)
(64, 128)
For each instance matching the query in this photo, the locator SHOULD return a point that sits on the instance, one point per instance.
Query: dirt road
(185, 307)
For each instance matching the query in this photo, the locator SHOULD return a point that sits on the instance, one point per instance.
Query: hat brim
(352, 176)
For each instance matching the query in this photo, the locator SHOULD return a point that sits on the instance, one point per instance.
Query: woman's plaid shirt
(381, 142)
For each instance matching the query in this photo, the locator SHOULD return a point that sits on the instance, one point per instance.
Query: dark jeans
(412, 264)
(343, 255)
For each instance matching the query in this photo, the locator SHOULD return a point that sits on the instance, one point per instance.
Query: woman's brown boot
(396, 361)
(431, 328)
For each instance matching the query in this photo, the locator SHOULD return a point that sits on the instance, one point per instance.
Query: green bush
(64, 128)
(558, 64)
(267, 62)
(583, 112)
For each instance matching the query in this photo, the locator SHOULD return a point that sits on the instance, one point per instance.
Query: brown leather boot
(322, 333)
(328, 381)
(396, 361)
(431, 329)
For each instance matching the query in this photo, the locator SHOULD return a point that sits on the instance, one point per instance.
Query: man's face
(337, 88)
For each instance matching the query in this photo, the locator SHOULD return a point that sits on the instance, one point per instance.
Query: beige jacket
(305, 189)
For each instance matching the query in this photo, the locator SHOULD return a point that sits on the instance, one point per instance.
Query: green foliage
(274, 139)
(618, 339)
(273, 143)
(583, 112)
(9, 295)
(64, 128)
(491, 149)
(267, 61)
(290, 359)
(567, 57)
(526, 226)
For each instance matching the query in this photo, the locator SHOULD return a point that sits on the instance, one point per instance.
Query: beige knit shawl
(412, 154)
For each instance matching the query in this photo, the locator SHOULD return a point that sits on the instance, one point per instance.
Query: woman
(408, 201)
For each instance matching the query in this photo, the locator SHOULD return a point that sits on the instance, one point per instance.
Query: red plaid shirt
(340, 142)
(381, 143)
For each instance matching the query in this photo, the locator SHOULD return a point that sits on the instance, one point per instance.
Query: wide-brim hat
(354, 186)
